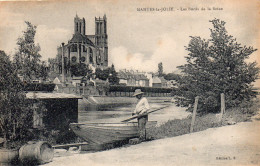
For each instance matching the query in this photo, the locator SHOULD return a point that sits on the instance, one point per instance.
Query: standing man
(141, 108)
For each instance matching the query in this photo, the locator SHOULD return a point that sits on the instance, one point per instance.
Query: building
(159, 82)
(132, 78)
(91, 50)
(164, 82)
(150, 75)
(60, 109)
(156, 82)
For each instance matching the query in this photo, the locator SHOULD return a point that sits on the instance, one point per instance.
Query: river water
(119, 113)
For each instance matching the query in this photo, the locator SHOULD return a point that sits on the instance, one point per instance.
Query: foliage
(102, 74)
(216, 66)
(52, 63)
(81, 69)
(43, 72)
(8, 76)
(108, 73)
(113, 79)
(178, 127)
(15, 110)
(171, 76)
(27, 58)
(120, 88)
(249, 107)
(46, 87)
(160, 69)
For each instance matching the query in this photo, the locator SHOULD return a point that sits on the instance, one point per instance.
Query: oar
(137, 116)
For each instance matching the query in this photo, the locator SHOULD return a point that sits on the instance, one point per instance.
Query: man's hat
(138, 92)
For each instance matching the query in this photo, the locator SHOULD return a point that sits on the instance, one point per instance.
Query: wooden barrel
(7, 156)
(36, 152)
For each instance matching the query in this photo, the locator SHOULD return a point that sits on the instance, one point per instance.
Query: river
(119, 113)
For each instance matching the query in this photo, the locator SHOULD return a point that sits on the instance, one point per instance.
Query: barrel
(36, 153)
(8, 157)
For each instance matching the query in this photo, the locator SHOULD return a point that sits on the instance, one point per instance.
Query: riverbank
(176, 127)
(228, 145)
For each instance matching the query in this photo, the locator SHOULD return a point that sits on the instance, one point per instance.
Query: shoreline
(173, 129)
(227, 145)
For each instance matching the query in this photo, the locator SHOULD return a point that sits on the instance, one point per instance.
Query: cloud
(11, 27)
(166, 51)
(49, 39)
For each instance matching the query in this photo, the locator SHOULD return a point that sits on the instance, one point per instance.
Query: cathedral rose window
(83, 59)
(73, 59)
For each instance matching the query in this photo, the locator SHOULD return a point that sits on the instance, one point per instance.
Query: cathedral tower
(101, 36)
(79, 25)
(91, 50)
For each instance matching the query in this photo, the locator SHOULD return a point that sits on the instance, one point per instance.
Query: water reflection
(118, 113)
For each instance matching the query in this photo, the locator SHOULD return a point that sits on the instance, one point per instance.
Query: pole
(223, 109)
(194, 113)
(62, 63)
(137, 116)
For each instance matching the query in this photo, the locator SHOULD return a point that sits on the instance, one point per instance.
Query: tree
(113, 79)
(43, 72)
(216, 66)
(27, 58)
(108, 73)
(160, 69)
(15, 110)
(102, 74)
(80, 69)
(171, 76)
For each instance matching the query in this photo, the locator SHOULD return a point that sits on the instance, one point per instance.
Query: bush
(48, 87)
(176, 127)
(15, 110)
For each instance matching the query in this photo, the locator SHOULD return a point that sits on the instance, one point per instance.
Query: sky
(137, 40)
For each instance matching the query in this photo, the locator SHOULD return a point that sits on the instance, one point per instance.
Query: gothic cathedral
(89, 49)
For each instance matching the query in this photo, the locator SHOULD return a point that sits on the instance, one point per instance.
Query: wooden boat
(104, 133)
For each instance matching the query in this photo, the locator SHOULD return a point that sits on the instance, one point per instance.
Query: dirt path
(230, 145)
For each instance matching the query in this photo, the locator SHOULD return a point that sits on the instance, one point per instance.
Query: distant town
(84, 61)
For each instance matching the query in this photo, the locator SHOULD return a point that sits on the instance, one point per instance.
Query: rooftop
(81, 38)
(130, 75)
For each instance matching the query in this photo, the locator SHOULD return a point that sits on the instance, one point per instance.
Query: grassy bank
(177, 127)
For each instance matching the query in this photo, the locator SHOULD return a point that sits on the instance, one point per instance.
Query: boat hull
(103, 133)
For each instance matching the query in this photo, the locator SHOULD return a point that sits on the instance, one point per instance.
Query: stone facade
(89, 49)
(133, 78)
